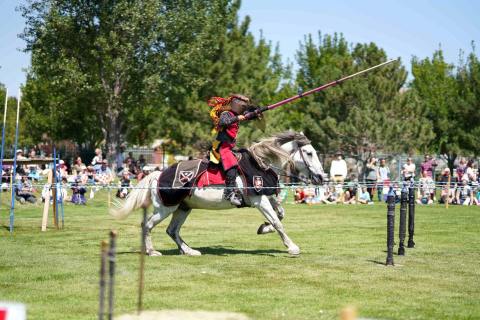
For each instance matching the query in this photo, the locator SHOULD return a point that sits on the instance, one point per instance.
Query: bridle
(291, 167)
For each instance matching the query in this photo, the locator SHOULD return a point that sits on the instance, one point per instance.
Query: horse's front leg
(263, 204)
(267, 227)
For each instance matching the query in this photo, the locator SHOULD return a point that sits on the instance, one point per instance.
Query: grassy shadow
(224, 251)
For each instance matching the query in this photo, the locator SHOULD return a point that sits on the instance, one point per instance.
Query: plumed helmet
(239, 103)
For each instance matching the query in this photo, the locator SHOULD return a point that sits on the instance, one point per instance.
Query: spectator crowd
(459, 188)
(74, 180)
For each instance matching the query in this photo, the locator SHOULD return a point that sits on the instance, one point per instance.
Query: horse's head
(303, 155)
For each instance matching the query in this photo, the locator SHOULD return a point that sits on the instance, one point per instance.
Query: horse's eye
(309, 153)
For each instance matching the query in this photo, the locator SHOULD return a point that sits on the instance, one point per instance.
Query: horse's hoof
(294, 251)
(154, 253)
(191, 252)
(265, 228)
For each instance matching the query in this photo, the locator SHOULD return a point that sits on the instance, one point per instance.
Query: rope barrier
(397, 186)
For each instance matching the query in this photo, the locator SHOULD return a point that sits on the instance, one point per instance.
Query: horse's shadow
(226, 251)
(216, 251)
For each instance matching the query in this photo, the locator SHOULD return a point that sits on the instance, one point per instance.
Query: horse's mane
(268, 148)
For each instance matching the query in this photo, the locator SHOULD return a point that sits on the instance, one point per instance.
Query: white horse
(283, 152)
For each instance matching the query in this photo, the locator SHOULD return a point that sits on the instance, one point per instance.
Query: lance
(252, 114)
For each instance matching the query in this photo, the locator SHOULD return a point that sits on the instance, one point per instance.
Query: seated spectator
(464, 193)
(309, 195)
(350, 194)
(331, 196)
(141, 162)
(24, 191)
(62, 169)
(130, 166)
(90, 175)
(364, 197)
(448, 191)
(426, 189)
(104, 175)
(125, 184)
(299, 196)
(78, 166)
(79, 188)
(97, 160)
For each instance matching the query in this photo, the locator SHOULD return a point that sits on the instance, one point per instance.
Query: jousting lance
(252, 114)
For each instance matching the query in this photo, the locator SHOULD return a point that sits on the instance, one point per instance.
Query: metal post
(12, 206)
(142, 262)
(111, 256)
(411, 214)
(403, 218)
(55, 188)
(3, 136)
(103, 263)
(390, 225)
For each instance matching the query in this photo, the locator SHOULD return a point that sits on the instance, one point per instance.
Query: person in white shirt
(338, 169)
(408, 171)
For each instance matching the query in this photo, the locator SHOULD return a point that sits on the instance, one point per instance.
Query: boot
(229, 191)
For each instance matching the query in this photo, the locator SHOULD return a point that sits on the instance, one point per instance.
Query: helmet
(239, 103)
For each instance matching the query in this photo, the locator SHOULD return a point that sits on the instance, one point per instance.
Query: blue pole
(12, 206)
(3, 138)
(60, 187)
(55, 182)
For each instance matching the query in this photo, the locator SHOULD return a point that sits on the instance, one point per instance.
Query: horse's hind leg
(159, 214)
(173, 230)
(263, 204)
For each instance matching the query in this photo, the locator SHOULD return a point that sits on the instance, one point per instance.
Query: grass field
(343, 248)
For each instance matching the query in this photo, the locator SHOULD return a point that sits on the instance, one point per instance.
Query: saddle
(178, 181)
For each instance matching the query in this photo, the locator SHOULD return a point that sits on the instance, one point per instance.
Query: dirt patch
(183, 315)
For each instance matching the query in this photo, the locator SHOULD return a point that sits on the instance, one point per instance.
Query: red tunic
(227, 136)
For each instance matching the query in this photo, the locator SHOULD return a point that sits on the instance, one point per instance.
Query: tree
(363, 115)
(237, 64)
(447, 98)
(101, 69)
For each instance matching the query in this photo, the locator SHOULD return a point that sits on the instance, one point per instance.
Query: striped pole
(390, 226)
(403, 218)
(12, 206)
(3, 136)
(55, 188)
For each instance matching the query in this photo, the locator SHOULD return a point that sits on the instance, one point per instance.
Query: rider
(226, 115)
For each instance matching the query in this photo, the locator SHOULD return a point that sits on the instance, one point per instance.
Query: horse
(287, 152)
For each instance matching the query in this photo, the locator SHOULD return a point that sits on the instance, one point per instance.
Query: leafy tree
(363, 115)
(102, 69)
(237, 64)
(448, 95)
(468, 78)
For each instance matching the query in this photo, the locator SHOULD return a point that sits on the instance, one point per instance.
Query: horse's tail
(140, 196)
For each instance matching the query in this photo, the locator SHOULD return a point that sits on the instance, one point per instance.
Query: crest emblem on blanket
(257, 183)
(185, 176)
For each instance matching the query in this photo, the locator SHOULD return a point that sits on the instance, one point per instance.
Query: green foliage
(451, 97)
(363, 115)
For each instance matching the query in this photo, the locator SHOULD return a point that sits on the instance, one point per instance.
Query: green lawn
(343, 248)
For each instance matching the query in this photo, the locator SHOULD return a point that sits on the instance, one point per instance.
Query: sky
(402, 28)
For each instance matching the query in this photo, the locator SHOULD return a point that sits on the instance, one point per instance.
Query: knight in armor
(226, 114)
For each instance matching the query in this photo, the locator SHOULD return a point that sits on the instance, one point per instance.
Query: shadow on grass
(376, 262)
(223, 251)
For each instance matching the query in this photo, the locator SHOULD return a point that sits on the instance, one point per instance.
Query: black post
(142, 261)
(403, 218)
(390, 225)
(111, 256)
(411, 213)
(103, 262)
